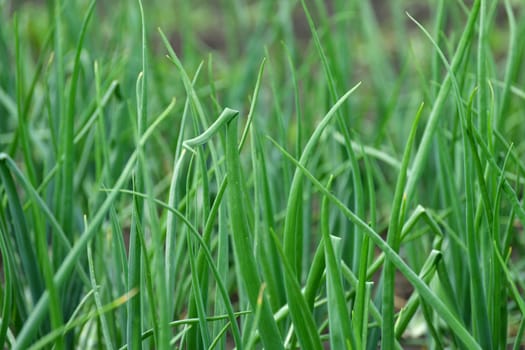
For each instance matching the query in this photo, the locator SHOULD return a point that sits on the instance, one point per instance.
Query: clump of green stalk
(316, 157)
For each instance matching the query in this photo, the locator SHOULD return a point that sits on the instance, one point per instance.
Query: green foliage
(264, 174)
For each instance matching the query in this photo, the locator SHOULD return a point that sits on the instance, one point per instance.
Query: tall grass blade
(270, 334)
(339, 321)
(394, 239)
